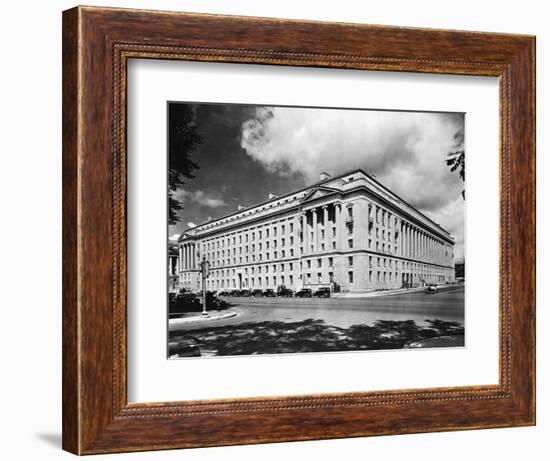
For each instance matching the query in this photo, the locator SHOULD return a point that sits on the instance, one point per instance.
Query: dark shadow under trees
(278, 337)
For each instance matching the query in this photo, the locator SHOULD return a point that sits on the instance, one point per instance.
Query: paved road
(446, 305)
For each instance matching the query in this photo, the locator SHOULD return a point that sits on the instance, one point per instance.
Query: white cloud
(174, 237)
(200, 198)
(406, 151)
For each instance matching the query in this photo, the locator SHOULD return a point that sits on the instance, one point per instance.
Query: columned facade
(348, 233)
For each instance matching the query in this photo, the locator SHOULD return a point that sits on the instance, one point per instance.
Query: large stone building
(349, 233)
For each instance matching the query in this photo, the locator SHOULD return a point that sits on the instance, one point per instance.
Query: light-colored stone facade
(349, 232)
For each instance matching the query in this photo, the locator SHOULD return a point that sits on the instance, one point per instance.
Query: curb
(200, 318)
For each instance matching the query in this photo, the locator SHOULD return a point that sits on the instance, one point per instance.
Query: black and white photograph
(310, 229)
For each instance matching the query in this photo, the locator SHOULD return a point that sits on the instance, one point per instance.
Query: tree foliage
(456, 158)
(183, 139)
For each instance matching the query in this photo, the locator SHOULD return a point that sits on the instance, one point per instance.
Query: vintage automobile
(268, 293)
(323, 292)
(431, 288)
(257, 293)
(303, 293)
(223, 293)
(285, 293)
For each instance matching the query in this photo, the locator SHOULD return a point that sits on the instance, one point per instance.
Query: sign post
(205, 272)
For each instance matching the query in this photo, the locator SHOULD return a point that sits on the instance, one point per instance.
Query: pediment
(318, 192)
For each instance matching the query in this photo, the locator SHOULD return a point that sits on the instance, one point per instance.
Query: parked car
(303, 293)
(285, 293)
(268, 293)
(245, 293)
(323, 292)
(223, 293)
(431, 288)
(185, 302)
(257, 293)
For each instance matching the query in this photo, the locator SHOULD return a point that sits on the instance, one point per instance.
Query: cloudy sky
(251, 151)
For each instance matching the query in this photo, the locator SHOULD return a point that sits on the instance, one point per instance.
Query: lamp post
(205, 272)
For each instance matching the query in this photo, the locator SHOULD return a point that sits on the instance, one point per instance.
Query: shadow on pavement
(277, 337)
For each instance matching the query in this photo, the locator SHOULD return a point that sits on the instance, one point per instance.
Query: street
(291, 325)
(447, 305)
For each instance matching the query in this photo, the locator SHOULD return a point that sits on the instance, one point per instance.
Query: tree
(183, 139)
(456, 158)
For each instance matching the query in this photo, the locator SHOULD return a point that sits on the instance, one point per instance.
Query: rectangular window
(291, 279)
(319, 262)
(330, 262)
(350, 260)
(350, 243)
(319, 278)
(350, 277)
(309, 263)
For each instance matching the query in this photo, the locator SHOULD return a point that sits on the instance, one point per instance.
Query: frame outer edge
(70, 211)
(91, 422)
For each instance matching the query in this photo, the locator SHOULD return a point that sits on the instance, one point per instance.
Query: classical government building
(349, 233)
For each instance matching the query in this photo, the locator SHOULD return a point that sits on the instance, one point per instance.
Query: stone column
(325, 225)
(400, 238)
(315, 226)
(338, 223)
(413, 243)
(423, 246)
(406, 243)
(296, 235)
(304, 231)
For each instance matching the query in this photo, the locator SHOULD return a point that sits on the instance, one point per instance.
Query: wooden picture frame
(97, 43)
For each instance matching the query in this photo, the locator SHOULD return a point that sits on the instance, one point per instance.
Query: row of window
(221, 242)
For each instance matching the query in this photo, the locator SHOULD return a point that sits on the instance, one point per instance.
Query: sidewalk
(197, 317)
(378, 293)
